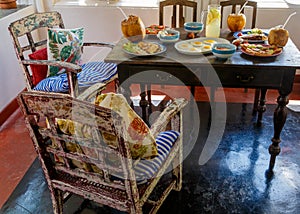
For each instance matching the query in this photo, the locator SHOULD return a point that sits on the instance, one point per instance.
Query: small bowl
(223, 51)
(168, 35)
(195, 27)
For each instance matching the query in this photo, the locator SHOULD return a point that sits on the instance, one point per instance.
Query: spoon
(242, 7)
(283, 26)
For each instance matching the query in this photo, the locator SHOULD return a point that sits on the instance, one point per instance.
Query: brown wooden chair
(28, 35)
(177, 11)
(235, 6)
(105, 174)
(177, 18)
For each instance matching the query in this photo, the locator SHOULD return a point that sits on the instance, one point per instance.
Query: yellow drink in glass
(213, 21)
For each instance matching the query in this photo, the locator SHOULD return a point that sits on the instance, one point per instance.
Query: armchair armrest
(168, 113)
(67, 65)
(71, 70)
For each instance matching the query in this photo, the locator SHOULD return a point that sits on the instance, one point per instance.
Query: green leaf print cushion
(64, 45)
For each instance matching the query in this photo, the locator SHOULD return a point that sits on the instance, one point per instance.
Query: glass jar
(213, 21)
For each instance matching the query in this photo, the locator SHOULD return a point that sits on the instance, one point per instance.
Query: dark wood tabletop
(289, 58)
(240, 71)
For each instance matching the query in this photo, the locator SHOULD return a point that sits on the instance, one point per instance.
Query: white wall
(11, 77)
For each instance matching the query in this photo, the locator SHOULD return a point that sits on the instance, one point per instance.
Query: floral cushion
(39, 72)
(64, 45)
(137, 135)
(141, 141)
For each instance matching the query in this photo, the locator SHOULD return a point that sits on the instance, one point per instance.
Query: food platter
(154, 29)
(261, 50)
(143, 48)
(247, 34)
(197, 46)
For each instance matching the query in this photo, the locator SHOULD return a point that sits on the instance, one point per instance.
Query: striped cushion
(145, 169)
(92, 73)
(54, 84)
(95, 72)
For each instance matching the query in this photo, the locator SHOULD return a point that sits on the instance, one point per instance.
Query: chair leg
(157, 204)
(256, 100)
(261, 108)
(177, 168)
(57, 201)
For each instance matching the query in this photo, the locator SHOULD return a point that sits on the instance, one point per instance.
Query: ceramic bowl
(193, 27)
(223, 51)
(168, 35)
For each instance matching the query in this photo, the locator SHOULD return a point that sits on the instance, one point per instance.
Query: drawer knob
(245, 78)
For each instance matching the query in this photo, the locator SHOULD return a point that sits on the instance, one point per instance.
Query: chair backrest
(79, 158)
(178, 6)
(235, 7)
(24, 32)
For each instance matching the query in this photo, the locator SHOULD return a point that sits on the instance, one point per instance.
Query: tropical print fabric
(64, 45)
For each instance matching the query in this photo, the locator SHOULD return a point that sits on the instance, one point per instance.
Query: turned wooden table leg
(143, 101)
(149, 99)
(256, 101)
(261, 108)
(279, 119)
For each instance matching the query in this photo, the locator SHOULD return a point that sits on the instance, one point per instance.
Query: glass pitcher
(213, 21)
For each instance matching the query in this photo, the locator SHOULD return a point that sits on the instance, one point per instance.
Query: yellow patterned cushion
(138, 135)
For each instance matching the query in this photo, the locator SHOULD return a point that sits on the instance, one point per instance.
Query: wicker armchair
(27, 35)
(97, 171)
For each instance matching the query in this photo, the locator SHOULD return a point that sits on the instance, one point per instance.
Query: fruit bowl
(195, 27)
(223, 51)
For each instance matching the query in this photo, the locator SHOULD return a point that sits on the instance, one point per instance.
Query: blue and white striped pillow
(92, 73)
(96, 72)
(145, 169)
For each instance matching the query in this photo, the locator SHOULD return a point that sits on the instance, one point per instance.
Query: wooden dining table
(239, 71)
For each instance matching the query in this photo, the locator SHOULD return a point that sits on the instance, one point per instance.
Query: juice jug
(213, 21)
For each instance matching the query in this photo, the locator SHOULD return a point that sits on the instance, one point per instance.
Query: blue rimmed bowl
(195, 27)
(168, 35)
(222, 50)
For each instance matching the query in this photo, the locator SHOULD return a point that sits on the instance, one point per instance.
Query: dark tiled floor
(233, 181)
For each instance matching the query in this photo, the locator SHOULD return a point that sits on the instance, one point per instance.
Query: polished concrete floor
(233, 180)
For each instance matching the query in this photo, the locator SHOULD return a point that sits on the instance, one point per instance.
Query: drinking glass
(213, 21)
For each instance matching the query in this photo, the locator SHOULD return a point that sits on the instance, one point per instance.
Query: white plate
(162, 49)
(186, 47)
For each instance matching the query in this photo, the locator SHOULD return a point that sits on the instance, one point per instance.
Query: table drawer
(248, 78)
(174, 76)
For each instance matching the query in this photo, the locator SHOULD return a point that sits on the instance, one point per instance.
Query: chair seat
(92, 73)
(146, 169)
